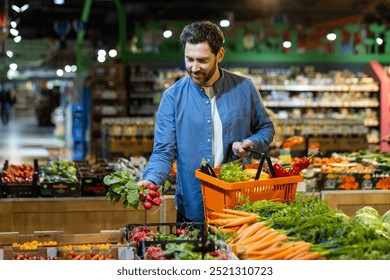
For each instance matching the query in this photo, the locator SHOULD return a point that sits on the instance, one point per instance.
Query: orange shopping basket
(218, 194)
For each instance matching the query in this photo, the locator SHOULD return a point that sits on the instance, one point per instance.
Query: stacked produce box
(362, 170)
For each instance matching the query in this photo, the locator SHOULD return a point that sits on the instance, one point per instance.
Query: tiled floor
(23, 140)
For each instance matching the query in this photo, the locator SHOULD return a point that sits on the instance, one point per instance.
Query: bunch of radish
(150, 196)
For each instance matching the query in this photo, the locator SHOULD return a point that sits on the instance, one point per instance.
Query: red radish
(153, 187)
(147, 205)
(157, 201)
(153, 193)
(149, 198)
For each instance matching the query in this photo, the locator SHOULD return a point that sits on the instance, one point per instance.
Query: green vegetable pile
(331, 232)
(232, 172)
(379, 159)
(61, 171)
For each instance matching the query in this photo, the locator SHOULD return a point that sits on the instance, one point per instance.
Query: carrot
(220, 222)
(250, 230)
(301, 250)
(214, 215)
(309, 256)
(242, 228)
(263, 244)
(229, 230)
(243, 220)
(275, 249)
(255, 237)
(237, 212)
(284, 253)
(229, 240)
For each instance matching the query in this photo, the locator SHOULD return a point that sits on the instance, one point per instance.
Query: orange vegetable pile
(253, 240)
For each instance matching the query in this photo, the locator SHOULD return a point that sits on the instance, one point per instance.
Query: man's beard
(202, 77)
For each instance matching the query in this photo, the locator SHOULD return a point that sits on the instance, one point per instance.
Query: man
(211, 113)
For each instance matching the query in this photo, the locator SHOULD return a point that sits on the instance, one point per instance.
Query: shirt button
(207, 102)
(208, 121)
(208, 140)
(208, 160)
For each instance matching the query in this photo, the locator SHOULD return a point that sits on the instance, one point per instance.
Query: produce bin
(218, 194)
(21, 188)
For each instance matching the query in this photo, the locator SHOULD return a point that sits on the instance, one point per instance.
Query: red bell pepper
(300, 164)
(280, 171)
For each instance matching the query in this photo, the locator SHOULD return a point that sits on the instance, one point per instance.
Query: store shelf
(108, 99)
(321, 104)
(370, 88)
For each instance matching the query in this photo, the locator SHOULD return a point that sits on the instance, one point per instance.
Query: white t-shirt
(217, 128)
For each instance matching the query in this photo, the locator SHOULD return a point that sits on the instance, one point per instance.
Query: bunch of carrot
(230, 220)
(259, 242)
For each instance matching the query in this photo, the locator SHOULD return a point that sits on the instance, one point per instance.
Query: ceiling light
(287, 44)
(101, 58)
(9, 53)
(379, 41)
(17, 39)
(13, 24)
(101, 53)
(24, 7)
(113, 53)
(224, 23)
(74, 68)
(20, 9)
(60, 72)
(14, 32)
(59, 2)
(167, 33)
(13, 66)
(331, 36)
(68, 69)
(15, 8)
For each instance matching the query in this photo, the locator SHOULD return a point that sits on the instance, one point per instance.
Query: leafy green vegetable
(386, 217)
(122, 188)
(369, 210)
(232, 172)
(368, 220)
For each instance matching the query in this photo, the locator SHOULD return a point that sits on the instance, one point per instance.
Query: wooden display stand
(350, 201)
(76, 215)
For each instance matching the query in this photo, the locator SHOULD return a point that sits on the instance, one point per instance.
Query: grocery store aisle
(23, 140)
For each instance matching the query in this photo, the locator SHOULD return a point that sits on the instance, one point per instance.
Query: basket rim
(248, 184)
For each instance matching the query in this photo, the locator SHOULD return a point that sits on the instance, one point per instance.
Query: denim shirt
(183, 132)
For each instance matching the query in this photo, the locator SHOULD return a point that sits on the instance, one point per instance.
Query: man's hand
(238, 148)
(144, 183)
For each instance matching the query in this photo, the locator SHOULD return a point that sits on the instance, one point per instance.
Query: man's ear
(220, 54)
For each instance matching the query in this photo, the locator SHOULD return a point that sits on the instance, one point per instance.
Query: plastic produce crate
(18, 189)
(164, 227)
(218, 194)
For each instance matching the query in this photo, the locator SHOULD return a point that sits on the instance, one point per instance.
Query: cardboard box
(113, 237)
(338, 181)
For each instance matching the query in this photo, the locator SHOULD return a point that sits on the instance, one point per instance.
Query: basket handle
(263, 158)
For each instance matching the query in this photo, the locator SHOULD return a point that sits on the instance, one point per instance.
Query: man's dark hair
(203, 31)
